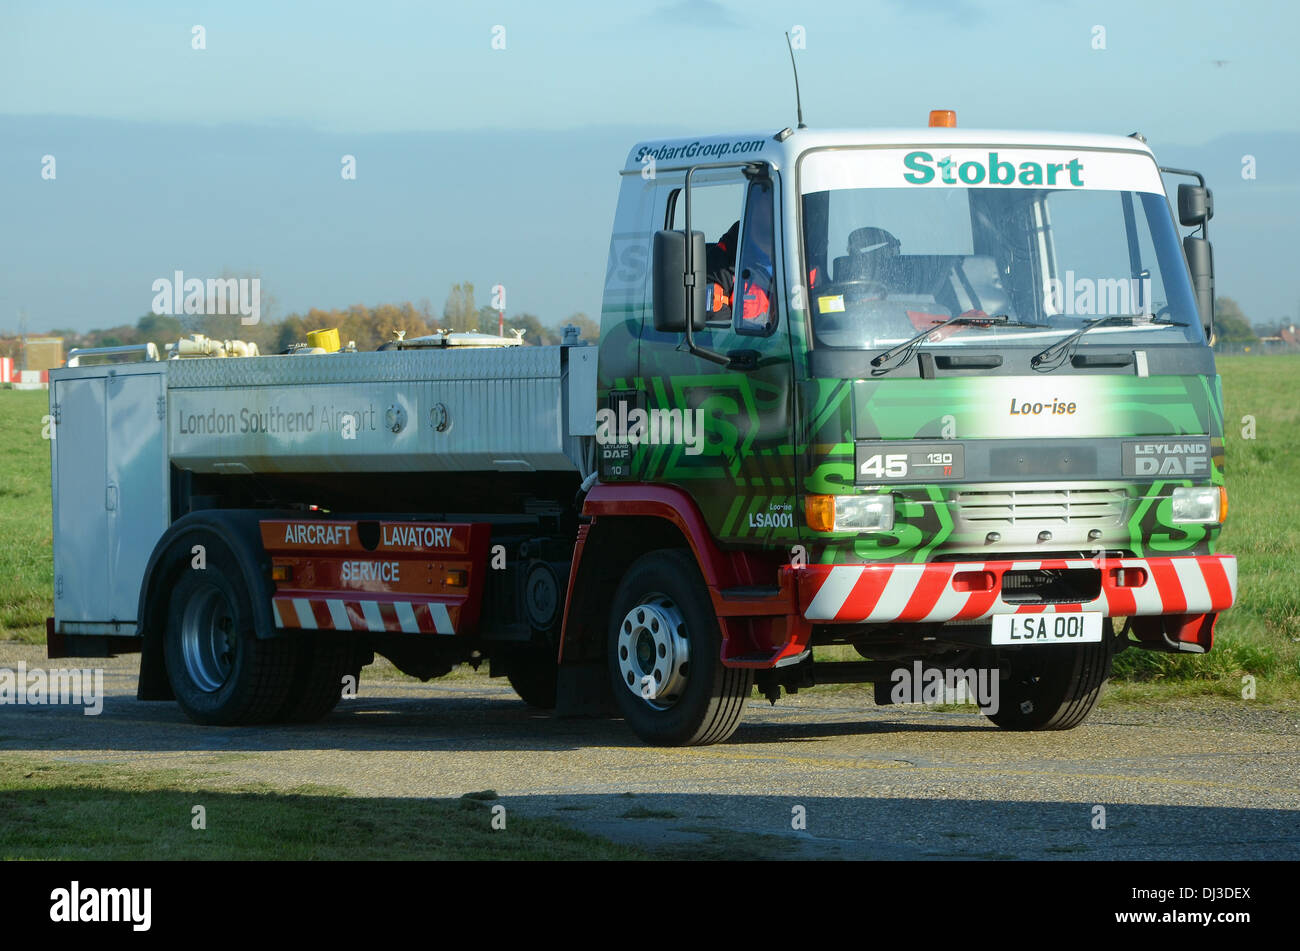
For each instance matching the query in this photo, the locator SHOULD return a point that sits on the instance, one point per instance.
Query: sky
(498, 165)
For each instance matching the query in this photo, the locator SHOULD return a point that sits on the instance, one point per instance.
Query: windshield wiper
(1059, 348)
(907, 346)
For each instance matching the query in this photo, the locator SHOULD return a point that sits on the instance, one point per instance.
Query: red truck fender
(754, 596)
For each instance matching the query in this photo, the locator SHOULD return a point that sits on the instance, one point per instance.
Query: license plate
(1080, 628)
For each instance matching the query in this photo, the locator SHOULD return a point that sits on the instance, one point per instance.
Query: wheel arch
(238, 531)
(627, 521)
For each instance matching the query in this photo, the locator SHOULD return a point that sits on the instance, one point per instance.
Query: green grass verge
(26, 535)
(80, 811)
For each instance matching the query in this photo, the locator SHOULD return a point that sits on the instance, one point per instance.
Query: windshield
(896, 241)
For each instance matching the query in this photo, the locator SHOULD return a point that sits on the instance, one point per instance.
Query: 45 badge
(877, 462)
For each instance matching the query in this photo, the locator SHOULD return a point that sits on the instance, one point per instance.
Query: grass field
(26, 535)
(1260, 636)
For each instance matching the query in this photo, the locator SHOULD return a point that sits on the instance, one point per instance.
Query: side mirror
(1195, 205)
(672, 293)
(1200, 262)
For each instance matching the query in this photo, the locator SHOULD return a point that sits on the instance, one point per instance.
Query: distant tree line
(371, 326)
(1234, 332)
(367, 326)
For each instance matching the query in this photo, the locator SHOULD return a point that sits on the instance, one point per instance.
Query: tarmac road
(1213, 780)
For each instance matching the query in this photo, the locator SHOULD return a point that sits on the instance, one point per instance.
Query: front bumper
(970, 591)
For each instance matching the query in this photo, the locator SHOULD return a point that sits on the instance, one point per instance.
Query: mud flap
(583, 691)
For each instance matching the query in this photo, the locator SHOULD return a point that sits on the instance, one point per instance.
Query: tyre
(534, 676)
(220, 671)
(1050, 688)
(318, 682)
(664, 656)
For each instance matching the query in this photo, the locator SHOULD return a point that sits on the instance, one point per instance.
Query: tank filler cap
(395, 418)
(440, 417)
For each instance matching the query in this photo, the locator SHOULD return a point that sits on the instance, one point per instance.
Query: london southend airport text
(326, 419)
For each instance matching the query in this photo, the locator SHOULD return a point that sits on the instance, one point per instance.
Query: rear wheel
(664, 656)
(220, 671)
(1050, 688)
(325, 669)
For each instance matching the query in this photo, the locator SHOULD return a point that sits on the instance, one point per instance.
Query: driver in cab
(755, 269)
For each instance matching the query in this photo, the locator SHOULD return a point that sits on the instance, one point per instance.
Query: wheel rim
(209, 640)
(654, 652)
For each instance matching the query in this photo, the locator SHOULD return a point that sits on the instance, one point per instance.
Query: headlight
(1203, 505)
(850, 513)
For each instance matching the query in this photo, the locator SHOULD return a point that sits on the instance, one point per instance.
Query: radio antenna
(798, 105)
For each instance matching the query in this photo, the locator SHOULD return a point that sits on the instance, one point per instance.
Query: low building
(43, 353)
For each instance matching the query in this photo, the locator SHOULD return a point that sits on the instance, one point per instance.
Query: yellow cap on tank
(327, 340)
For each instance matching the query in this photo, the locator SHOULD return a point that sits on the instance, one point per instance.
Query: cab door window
(754, 309)
(715, 211)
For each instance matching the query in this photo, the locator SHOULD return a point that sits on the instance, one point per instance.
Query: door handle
(742, 359)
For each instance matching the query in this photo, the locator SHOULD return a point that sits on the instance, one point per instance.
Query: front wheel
(1051, 687)
(664, 654)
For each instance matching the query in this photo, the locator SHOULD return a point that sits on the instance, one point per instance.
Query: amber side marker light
(282, 572)
(943, 119)
(819, 511)
(454, 579)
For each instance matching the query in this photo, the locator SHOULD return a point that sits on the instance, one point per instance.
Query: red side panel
(415, 577)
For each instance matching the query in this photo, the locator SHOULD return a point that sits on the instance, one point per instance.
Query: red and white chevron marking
(346, 614)
(851, 594)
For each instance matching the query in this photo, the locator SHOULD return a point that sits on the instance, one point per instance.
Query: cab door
(740, 470)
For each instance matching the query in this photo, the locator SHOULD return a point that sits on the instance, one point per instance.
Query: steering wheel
(876, 290)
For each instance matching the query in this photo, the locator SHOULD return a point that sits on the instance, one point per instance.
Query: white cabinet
(110, 491)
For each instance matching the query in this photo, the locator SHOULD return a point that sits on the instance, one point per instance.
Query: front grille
(1051, 586)
(1046, 508)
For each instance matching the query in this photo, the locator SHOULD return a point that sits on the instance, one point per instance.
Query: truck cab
(944, 395)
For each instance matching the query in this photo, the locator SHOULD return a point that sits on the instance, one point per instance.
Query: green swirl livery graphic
(1031, 452)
